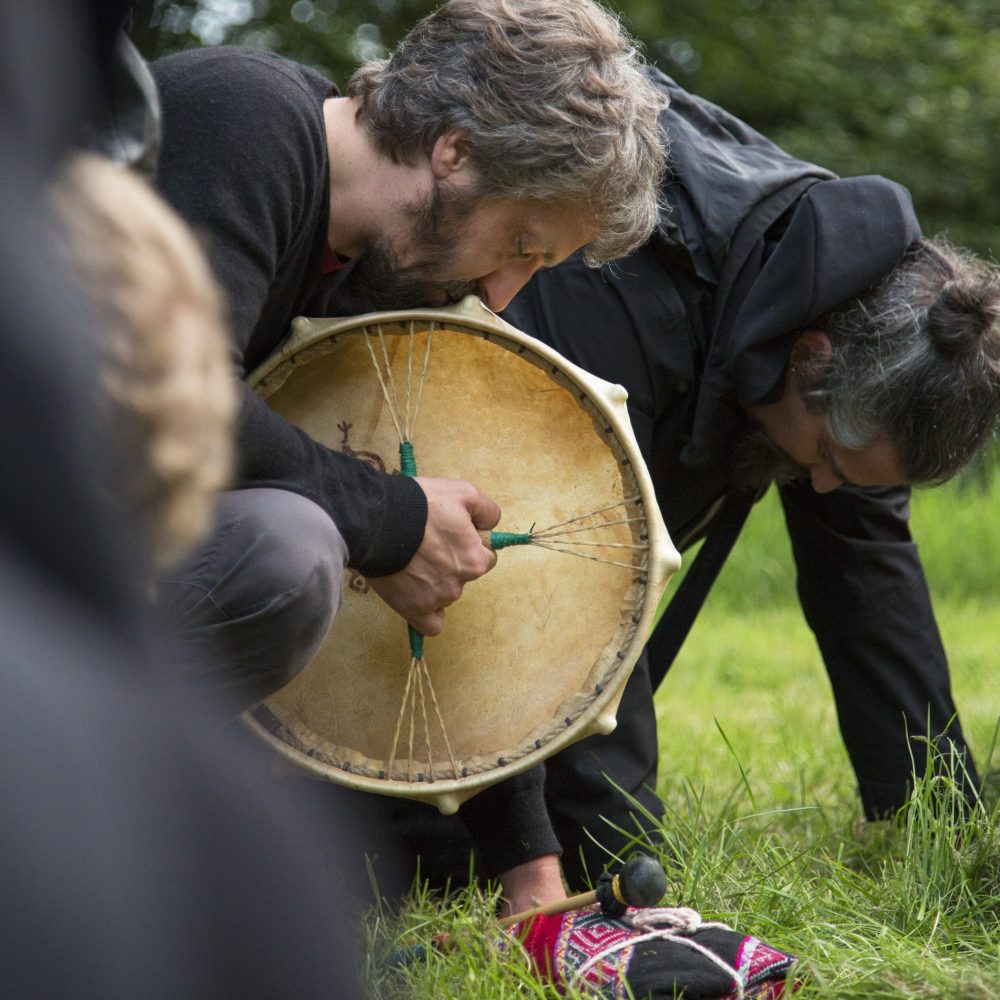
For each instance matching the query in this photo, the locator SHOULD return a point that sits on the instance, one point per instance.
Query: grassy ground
(760, 797)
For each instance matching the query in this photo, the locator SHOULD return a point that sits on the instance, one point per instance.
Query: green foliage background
(905, 88)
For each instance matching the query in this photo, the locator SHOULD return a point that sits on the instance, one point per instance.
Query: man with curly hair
(498, 138)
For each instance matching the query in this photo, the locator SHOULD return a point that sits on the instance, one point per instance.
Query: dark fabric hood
(781, 240)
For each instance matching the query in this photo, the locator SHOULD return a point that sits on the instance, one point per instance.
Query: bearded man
(498, 138)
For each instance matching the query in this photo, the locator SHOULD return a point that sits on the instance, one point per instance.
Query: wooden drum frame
(536, 653)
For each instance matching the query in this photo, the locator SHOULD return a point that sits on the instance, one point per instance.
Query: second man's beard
(757, 461)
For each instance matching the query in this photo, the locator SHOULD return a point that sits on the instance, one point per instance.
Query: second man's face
(804, 439)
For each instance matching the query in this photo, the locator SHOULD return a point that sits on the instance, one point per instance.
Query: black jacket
(697, 325)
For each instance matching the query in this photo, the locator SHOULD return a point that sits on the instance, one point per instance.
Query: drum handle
(491, 539)
(408, 466)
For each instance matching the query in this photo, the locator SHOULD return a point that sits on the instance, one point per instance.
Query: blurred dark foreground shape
(140, 854)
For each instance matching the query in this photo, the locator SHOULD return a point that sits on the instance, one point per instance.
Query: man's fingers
(430, 623)
(491, 559)
(485, 513)
(451, 555)
(447, 496)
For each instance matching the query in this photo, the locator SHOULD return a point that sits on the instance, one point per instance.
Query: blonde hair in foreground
(167, 386)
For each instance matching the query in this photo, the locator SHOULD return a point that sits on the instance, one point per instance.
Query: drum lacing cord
(404, 414)
(667, 924)
(404, 417)
(555, 537)
(418, 669)
(411, 695)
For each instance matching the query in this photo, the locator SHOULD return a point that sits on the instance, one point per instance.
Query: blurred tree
(905, 88)
(332, 36)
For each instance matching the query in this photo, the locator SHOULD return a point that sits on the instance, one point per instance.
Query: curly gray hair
(916, 360)
(552, 100)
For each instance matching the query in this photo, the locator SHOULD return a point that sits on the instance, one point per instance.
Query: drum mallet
(641, 882)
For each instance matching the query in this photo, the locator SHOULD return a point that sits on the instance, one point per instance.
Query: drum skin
(534, 655)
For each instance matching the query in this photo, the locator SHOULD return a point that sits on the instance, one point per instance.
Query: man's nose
(498, 287)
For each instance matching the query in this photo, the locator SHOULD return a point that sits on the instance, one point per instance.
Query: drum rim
(662, 558)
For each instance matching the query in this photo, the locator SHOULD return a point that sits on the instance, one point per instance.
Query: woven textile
(656, 956)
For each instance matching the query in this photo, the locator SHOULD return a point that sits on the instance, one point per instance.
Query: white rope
(422, 377)
(386, 394)
(584, 555)
(586, 527)
(621, 503)
(634, 546)
(681, 921)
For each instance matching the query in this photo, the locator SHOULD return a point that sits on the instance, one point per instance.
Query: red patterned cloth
(658, 953)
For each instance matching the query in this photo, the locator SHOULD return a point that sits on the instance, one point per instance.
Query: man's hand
(532, 884)
(450, 556)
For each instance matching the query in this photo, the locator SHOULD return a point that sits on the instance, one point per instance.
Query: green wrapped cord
(408, 466)
(416, 643)
(407, 463)
(503, 539)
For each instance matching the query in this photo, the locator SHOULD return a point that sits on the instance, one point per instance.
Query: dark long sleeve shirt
(245, 162)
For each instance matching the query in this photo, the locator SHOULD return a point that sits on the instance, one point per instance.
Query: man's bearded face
(378, 280)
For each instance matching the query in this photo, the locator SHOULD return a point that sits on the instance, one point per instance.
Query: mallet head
(641, 882)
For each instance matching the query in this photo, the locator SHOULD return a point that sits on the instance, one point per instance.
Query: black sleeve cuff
(400, 532)
(510, 823)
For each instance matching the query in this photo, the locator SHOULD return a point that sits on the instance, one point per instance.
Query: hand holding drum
(451, 554)
(536, 654)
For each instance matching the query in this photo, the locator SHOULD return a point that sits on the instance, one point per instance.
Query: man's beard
(377, 281)
(758, 461)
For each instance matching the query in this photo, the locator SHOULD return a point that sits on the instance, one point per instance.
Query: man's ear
(450, 154)
(811, 350)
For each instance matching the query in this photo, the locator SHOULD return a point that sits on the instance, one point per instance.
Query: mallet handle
(442, 942)
(576, 902)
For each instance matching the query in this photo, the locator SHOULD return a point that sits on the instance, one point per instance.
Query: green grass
(761, 680)
(760, 800)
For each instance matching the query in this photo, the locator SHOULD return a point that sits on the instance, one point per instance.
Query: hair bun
(964, 311)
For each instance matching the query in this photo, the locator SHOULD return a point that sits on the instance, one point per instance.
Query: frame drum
(535, 654)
